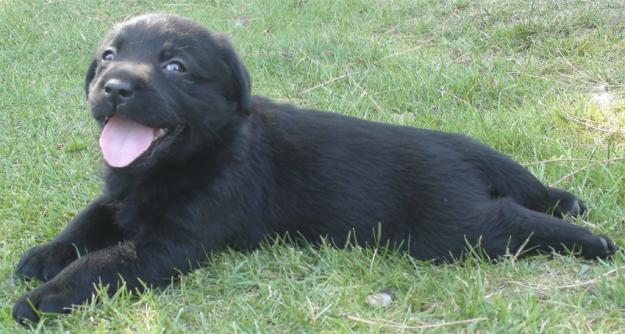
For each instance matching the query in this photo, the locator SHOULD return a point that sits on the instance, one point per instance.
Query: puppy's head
(163, 87)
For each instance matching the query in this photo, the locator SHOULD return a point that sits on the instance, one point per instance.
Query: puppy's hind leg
(506, 178)
(565, 204)
(508, 226)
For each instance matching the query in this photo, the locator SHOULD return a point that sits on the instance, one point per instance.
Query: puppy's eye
(175, 66)
(108, 55)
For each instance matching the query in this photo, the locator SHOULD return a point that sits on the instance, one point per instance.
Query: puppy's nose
(118, 91)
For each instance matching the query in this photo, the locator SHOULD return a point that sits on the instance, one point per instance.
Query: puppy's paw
(24, 311)
(570, 207)
(573, 208)
(566, 204)
(600, 247)
(48, 298)
(45, 261)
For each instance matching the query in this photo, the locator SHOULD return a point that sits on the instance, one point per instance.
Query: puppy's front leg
(90, 230)
(152, 262)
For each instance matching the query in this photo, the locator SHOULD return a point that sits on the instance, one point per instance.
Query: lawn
(542, 81)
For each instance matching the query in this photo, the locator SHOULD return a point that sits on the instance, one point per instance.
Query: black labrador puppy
(195, 164)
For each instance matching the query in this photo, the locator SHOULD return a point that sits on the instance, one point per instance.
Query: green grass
(521, 76)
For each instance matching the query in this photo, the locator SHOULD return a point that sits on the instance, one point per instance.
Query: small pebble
(380, 299)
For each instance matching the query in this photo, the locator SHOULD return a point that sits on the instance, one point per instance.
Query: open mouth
(123, 140)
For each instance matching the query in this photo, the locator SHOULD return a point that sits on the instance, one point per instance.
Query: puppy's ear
(242, 82)
(90, 75)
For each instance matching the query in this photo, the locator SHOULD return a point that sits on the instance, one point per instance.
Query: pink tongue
(122, 140)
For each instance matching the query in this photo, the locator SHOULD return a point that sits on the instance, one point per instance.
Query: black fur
(235, 169)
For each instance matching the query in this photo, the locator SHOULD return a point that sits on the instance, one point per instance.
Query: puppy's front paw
(52, 297)
(45, 261)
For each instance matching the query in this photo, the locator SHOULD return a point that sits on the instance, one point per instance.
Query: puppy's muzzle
(118, 91)
(123, 81)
